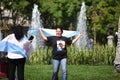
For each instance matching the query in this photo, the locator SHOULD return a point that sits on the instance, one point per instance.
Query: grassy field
(81, 72)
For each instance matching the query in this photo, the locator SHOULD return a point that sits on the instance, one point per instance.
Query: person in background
(17, 47)
(91, 43)
(59, 52)
(116, 38)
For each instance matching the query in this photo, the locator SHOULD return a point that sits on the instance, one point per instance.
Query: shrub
(100, 55)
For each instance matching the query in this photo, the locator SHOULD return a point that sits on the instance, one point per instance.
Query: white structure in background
(8, 18)
(6, 14)
(110, 40)
(82, 28)
(36, 23)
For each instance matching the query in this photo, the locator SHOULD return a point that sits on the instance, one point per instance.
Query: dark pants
(16, 64)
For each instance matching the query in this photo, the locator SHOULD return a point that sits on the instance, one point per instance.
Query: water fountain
(82, 28)
(36, 23)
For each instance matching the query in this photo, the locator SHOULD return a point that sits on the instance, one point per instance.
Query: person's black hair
(31, 37)
(60, 29)
(18, 31)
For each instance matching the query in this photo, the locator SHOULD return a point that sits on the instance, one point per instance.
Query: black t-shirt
(59, 46)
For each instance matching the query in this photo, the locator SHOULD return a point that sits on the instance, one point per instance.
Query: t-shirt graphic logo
(60, 45)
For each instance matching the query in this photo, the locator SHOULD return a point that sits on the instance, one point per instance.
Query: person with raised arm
(59, 52)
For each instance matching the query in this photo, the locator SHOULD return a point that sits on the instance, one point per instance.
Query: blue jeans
(56, 66)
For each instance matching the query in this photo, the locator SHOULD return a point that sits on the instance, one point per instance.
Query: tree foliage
(65, 12)
(17, 9)
(106, 18)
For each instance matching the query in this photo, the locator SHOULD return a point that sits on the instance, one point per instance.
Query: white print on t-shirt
(60, 45)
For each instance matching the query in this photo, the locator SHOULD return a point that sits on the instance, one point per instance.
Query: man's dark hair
(60, 29)
(18, 31)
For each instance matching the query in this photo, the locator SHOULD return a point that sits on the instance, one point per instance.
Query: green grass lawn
(81, 72)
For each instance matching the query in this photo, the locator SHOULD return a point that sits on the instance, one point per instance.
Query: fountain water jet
(36, 23)
(82, 28)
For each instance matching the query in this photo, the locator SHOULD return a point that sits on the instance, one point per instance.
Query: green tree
(101, 14)
(17, 9)
(62, 12)
(107, 14)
